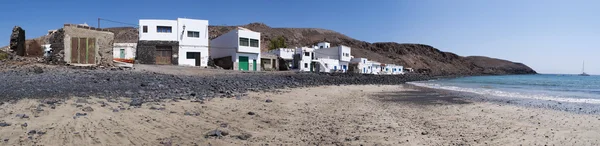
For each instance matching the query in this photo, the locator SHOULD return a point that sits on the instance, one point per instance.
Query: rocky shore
(144, 86)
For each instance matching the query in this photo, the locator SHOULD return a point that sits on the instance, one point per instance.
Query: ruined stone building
(83, 45)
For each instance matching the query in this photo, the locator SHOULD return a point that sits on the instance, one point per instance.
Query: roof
(268, 55)
(241, 28)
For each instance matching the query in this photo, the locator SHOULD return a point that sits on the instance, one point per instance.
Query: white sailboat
(583, 70)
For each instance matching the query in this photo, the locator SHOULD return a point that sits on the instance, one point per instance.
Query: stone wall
(57, 44)
(146, 51)
(104, 42)
(224, 62)
(17, 41)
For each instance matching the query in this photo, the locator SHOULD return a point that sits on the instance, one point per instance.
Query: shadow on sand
(420, 96)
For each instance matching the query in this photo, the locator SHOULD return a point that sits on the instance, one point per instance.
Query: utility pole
(98, 22)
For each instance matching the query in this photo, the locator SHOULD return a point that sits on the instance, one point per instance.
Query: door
(122, 53)
(163, 55)
(243, 63)
(83, 50)
(198, 59)
(254, 64)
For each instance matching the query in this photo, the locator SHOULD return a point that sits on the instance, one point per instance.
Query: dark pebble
(251, 113)
(269, 101)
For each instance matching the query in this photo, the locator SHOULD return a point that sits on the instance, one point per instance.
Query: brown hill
(423, 58)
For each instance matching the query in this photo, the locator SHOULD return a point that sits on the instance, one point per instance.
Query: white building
(392, 69)
(182, 41)
(364, 66)
(303, 59)
(284, 53)
(238, 49)
(339, 53)
(124, 51)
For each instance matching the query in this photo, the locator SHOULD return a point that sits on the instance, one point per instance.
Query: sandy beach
(325, 115)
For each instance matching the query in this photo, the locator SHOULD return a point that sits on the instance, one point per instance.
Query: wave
(498, 93)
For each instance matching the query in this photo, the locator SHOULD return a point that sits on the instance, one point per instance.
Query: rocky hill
(423, 58)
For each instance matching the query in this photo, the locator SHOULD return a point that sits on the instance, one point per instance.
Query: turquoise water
(562, 88)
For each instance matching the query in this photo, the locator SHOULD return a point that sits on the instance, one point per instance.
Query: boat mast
(583, 67)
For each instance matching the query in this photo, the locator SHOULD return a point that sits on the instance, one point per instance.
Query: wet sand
(326, 115)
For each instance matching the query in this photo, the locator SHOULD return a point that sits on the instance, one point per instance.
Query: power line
(113, 21)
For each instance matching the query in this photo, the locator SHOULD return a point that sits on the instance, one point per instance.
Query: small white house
(303, 59)
(364, 66)
(182, 42)
(392, 69)
(286, 54)
(238, 49)
(124, 50)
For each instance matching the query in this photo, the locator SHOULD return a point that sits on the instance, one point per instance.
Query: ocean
(546, 87)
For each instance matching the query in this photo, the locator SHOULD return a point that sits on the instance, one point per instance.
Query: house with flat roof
(179, 42)
(238, 49)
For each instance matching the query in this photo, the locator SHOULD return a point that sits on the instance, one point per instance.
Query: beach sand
(326, 115)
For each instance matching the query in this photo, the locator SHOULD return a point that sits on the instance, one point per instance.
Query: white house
(286, 54)
(340, 53)
(238, 49)
(303, 59)
(393, 69)
(124, 50)
(182, 42)
(364, 66)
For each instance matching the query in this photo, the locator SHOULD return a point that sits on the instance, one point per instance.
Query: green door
(122, 53)
(243, 63)
(254, 64)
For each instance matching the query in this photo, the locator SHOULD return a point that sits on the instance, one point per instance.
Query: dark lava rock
(22, 116)
(32, 132)
(191, 114)
(41, 132)
(38, 70)
(216, 133)
(24, 125)
(144, 84)
(6, 140)
(136, 102)
(244, 136)
(269, 101)
(224, 125)
(80, 100)
(115, 110)
(251, 113)
(80, 114)
(424, 133)
(88, 109)
(4, 124)
(192, 94)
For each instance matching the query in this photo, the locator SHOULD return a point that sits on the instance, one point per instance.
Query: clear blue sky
(551, 36)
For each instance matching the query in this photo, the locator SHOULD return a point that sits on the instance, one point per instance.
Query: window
(344, 67)
(321, 47)
(253, 43)
(306, 53)
(145, 29)
(191, 55)
(193, 34)
(305, 65)
(163, 29)
(364, 61)
(244, 42)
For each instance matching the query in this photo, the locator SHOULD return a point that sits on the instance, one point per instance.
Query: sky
(550, 36)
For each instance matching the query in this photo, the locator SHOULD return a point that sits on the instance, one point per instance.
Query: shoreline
(566, 106)
(322, 115)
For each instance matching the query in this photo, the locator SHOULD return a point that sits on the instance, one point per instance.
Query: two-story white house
(238, 49)
(325, 57)
(180, 42)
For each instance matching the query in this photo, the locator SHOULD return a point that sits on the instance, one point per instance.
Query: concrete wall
(224, 45)
(250, 35)
(153, 35)
(192, 62)
(285, 53)
(128, 47)
(344, 53)
(104, 42)
(200, 26)
(145, 52)
(327, 53)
